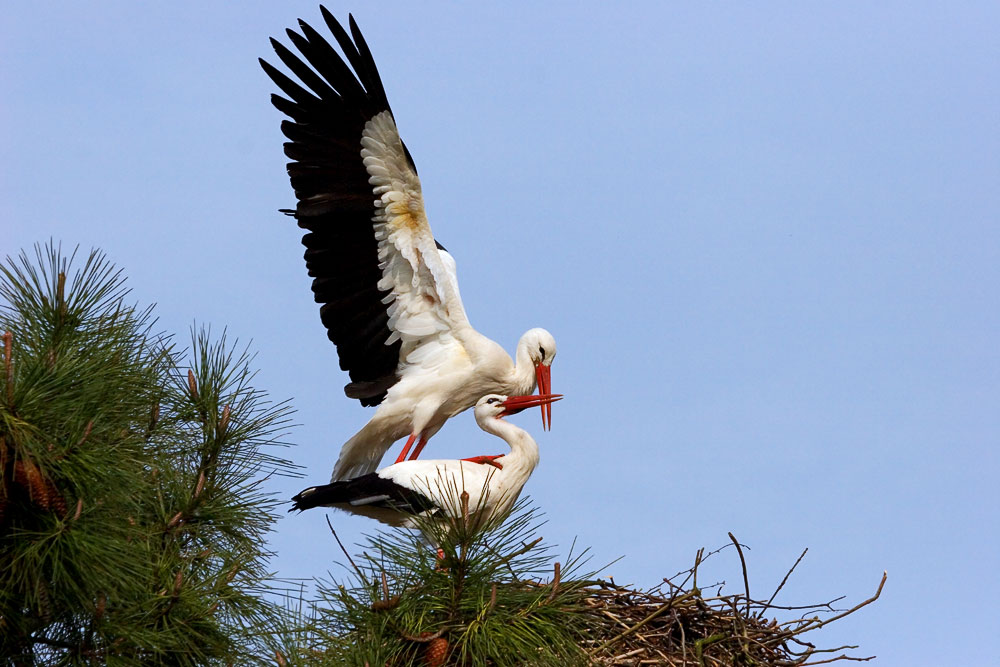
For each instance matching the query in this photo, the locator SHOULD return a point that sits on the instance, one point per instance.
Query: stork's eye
(491, 401)
(542, 350)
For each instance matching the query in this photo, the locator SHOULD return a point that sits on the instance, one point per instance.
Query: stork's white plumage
(397, 493)
(389, 290)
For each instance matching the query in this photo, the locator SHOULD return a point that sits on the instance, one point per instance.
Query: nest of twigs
(678, 623)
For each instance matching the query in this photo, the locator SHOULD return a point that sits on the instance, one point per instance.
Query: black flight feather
(335, 200)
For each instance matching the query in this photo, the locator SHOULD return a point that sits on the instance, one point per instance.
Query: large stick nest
(678, 623)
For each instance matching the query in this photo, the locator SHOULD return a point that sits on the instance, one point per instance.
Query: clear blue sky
(766, 239)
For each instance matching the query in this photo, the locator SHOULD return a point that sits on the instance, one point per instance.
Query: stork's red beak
(515, 404)
(543, 374)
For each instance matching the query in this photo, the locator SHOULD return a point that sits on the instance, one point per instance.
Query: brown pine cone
(20, 475)
(436, 652)
(28, 476)
(56, 499)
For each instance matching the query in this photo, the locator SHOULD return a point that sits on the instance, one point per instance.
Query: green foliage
(482, 599)
(132, 517)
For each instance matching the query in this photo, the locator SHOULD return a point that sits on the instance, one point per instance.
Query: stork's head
(541, 347)
(495, 406)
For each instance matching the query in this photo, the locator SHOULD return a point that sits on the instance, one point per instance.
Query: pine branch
(132, 514)
(480, 604)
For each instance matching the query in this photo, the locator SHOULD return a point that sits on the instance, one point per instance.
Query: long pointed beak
(515, 404)
(543, 375)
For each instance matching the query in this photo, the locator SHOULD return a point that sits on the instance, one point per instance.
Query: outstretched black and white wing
(385, 285)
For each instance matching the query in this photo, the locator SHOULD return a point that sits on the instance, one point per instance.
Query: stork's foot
(487, 460)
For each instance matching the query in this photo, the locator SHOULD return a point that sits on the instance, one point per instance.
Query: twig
(839, 657)
(782, 584)
(555, 584)
(61, 292)
(700, 644)
(827, 606)
(525, 549)
(86, 433)
(386, 602)
(746, 581)
(341, 545)
(493, 598)
(627, 655)
(820, 624)
(684, 650)
(501, 560)
(199, 485)
(465, 524)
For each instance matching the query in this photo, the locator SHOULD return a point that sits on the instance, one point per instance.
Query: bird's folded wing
(444, 480)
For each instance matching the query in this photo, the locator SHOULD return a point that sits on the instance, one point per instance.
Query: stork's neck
(523, 456)
(523, 379)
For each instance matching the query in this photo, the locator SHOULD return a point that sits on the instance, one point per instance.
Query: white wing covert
(423, 300)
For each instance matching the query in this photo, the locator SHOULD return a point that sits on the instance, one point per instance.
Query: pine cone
(56, 499)
(20, 476)
(436, 652)
(30, 478)
(38, 487)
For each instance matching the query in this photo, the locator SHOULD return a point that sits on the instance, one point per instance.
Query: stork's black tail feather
(315, 496)
(368, 489)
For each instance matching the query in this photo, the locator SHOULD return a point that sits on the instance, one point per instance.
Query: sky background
(767, 240)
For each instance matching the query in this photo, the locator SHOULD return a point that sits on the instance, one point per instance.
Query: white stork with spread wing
(397, 493)
(389, 292)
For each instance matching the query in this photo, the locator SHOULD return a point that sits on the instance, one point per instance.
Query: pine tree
(132, 512)
(462, 591)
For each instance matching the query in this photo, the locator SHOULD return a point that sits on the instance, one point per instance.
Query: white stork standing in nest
(432, 488)
(389, 291)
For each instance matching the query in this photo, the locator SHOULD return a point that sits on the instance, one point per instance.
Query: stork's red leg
(406, 448)
(420, 448)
